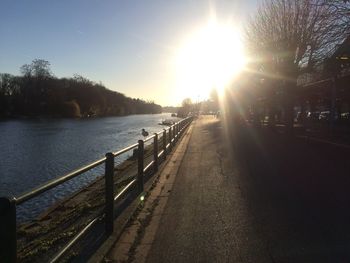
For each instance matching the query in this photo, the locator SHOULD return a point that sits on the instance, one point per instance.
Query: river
(36, 151)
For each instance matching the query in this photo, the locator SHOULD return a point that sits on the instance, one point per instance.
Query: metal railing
(8, 224)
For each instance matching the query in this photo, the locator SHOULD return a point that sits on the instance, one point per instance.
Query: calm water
(35, 151)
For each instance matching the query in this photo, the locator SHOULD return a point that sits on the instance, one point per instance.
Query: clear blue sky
(127, 45)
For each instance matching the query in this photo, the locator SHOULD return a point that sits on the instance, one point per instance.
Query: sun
(209, 58)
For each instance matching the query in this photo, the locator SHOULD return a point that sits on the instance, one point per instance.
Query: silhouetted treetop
(38, 68)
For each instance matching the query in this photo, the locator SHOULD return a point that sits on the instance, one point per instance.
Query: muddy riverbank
(41, 238)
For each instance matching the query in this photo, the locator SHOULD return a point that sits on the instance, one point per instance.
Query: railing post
(164, 144)
(8, 240)
(155, 153)
(109, 193)
(177, 131)
(185, 124)
(140, 165)
(173, 134)
(170, 137)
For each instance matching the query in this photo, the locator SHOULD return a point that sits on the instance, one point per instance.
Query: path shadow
(297, 194)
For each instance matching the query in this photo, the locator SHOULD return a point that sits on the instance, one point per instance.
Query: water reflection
(35, 151)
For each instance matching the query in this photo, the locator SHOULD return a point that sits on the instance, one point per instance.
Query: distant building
(341, 58)
(331, 85)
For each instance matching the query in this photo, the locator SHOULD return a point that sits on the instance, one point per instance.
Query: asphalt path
(248, 196)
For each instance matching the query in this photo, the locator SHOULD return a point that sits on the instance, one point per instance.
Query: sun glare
(209, 58)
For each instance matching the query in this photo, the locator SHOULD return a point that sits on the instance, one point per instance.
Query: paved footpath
(206, 217)
(259, 199)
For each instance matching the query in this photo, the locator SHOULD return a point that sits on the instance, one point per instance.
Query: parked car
(324, 116)
(313, 115)
(298, 116)
(345, 116)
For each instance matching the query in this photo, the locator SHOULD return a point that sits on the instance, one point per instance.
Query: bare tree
(289, 37)
(186, 102)
(39, 68)
(292, 35)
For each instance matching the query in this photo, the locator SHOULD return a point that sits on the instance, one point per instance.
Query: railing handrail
(53, 183)
(57, 181)
(175, 130)
(148, 138)
(126, 149)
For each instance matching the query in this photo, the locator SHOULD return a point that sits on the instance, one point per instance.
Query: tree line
(209, 106)
(37, 92)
